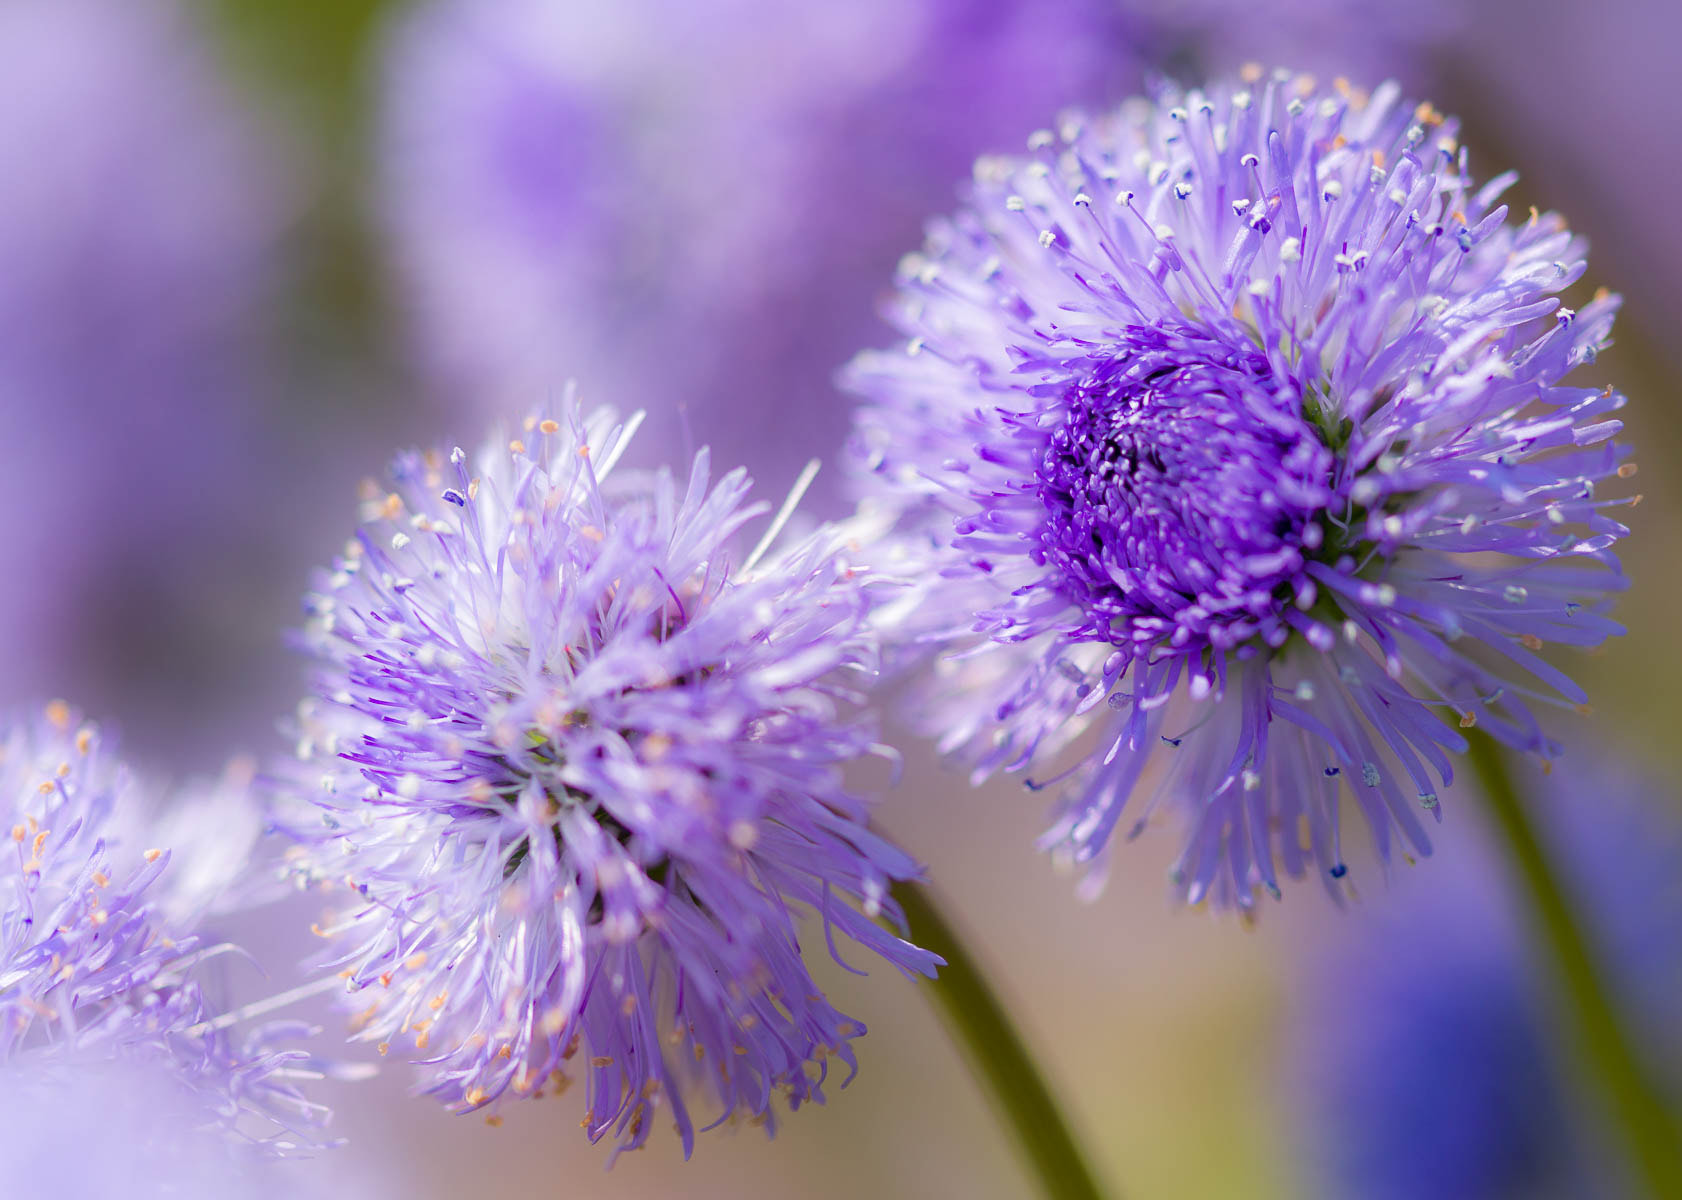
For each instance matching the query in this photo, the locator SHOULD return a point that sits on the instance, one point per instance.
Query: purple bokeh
(699, 212)
(138, 217)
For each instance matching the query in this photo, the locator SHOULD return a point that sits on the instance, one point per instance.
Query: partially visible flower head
(579, 767)
(94, 962)
(1422, 1055)
(1236, 425)
(94, 1126)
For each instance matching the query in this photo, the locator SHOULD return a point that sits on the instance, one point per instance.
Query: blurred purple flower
(94, 965)
(1238, 419)
(1421, 1046)
(580, 766)
(118, 1128)
(138, 211)
(711, 195)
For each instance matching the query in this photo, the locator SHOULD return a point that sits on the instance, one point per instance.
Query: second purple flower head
(579, 764)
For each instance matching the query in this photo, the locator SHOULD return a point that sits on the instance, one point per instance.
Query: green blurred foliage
(316, 46)
(308, 63)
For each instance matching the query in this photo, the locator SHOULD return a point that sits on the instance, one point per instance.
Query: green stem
(978, 1023)
(1653, 1141)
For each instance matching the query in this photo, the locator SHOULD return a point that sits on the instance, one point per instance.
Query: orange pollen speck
(549, 426)
(58, 712)
(1530, 641)
(153, 855)
(1468, 719)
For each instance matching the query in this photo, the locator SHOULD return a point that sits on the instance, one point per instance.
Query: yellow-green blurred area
(1165, 1031)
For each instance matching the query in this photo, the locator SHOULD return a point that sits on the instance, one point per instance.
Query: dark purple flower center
(1183, 493)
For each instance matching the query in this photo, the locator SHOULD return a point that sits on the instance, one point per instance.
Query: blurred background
(247, 250)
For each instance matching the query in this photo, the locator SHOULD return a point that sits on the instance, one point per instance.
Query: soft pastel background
(247, 249)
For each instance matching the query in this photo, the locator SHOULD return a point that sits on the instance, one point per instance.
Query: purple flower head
(95, 965)
(579, 767)
(1234, 427)
(1420, 1044)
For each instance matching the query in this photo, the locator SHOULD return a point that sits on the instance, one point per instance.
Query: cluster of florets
(97, 954)
(1237, 424)
(579, 766)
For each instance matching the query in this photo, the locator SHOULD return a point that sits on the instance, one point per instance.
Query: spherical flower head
(97, 963)
(579, 766)
(1236, 425)
(1421, 1048)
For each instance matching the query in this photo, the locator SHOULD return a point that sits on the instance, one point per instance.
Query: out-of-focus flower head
(562, 185)
(95, 962)
(1234, 427)
(140, 208)
(579, 767)
(87, 1125)
(114, 1127)
(1421, 1048)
